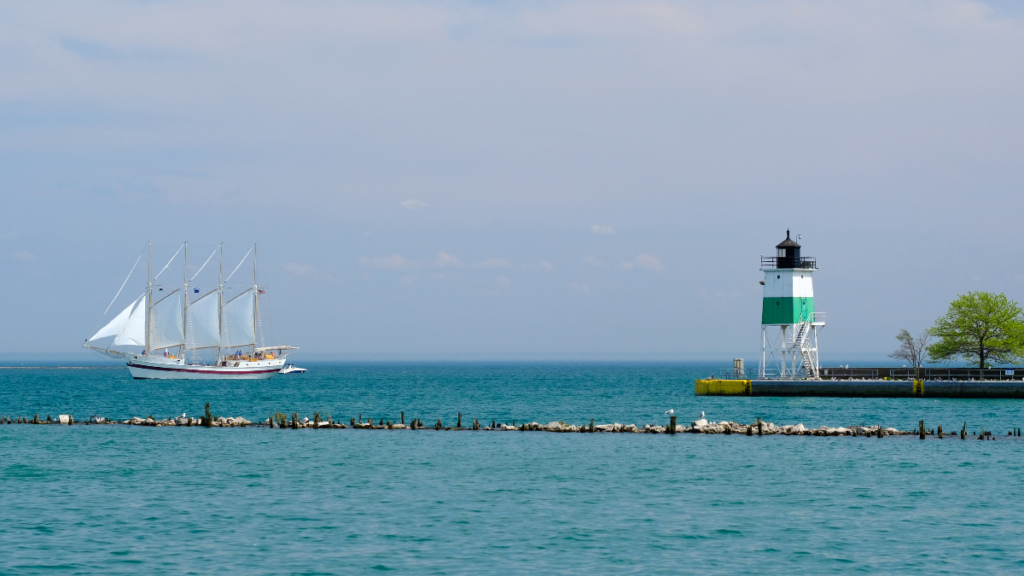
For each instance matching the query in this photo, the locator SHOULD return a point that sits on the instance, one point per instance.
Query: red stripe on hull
(225, 372)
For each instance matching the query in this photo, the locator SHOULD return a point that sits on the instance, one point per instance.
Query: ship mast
(149, 294)
(255, 297)
(220, 304)
(184, 307)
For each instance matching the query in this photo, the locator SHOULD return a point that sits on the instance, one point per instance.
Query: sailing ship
(169, 326)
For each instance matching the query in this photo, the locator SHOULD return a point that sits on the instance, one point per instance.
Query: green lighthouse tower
(789, 324)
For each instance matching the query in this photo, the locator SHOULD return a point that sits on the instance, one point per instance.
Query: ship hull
(261, 370)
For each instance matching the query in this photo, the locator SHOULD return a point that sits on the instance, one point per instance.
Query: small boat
(291, 369)
(225, 321)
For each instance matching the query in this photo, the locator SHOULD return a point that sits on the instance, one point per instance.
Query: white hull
(168, 369)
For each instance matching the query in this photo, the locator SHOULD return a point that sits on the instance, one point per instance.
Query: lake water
(119, 499)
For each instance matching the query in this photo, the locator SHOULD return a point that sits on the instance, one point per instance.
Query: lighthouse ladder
(800, 341)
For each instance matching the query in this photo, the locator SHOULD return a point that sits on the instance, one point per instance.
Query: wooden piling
(476, 424)
(208, 418)
(760, 429)
(591, 424)
(920, 429)
(403, 418)
(438, 426)
(881, 432)
(459, 424)
(750, 430)
(940, 432)
(963, 431)
(672, 425)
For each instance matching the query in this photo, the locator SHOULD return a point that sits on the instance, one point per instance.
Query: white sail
(203, 324)
(134, 332)
(166, 328)
(239, 320)
(116, 325)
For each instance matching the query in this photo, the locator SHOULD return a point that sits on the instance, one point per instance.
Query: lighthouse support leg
(782, 374)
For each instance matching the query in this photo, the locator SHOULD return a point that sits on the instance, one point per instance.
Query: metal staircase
(806, 348)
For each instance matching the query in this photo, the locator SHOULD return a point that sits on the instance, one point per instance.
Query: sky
(513, 179)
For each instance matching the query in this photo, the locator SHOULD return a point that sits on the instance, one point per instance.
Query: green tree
(980, 327)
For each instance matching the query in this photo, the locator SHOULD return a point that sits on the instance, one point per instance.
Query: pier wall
(862, 388)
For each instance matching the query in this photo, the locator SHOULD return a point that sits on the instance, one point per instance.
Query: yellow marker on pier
(715, 387)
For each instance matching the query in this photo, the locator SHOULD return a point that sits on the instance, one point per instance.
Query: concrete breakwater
(863, 388)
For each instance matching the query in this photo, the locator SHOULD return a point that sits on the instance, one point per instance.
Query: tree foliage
(980, 327)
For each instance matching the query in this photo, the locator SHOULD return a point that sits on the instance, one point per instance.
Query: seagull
(182, 414)
(670, 411)
(701, 413)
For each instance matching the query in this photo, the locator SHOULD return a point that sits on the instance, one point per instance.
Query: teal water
(122, 499)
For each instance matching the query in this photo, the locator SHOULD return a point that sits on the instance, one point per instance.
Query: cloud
(592, 261)
(649, 262)
(300, 269)
(393, 262)
(645, 261)
(503, 282)
(492, 263)
(602, 230)
(444, 260)
(579, 288)
(413, 205)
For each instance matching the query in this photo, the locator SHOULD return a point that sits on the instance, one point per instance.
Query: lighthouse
(789, 324)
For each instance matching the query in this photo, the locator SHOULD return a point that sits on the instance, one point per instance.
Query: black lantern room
(787, 255)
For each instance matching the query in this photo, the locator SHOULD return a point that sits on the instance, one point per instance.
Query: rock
(699, 423)
(64, 419)
(605, 427)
